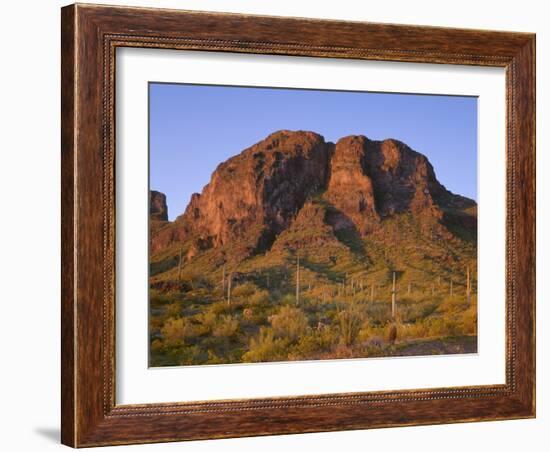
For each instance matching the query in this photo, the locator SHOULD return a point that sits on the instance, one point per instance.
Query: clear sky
(193, 128)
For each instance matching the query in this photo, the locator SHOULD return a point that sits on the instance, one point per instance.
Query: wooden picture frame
(90, 36)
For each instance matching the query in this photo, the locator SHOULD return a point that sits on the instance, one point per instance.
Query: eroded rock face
(254, 195)
(158, 210)
(372, 180)
(296, 178)
(404, 179)
(350, 188)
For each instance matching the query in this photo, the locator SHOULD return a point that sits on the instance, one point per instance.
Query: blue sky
(195, 127)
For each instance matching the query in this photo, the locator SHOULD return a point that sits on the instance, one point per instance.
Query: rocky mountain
(297, 248)
(158, 210)
(292, 178)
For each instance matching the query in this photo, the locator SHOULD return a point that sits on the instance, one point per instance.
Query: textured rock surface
(350, 188)
(158, 210)
(254, 195)
(296, 178)
(404, 179)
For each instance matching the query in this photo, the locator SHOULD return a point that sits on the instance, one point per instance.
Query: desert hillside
(292, 249)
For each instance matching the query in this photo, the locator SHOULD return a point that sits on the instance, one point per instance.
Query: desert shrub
(417, 330)
(453, 304)
(156, 345)
(173, 309)
(208, 319)
(224, 357)
(451, 327)
(155, 323)
(379, 312)
(350, 321)
(221, 307)
(189, 355)
(266, 347)
(468, 321)
(157, 298)
(328, 336)
(176, 330)
(245, 290)
(313, 343)
(290, 322)
(442, 326)
(257, 315)
(213, 358)
(306, 346)
(226, 327)
(412, 311)
(369, 332)
(289, 299)
(258, 297)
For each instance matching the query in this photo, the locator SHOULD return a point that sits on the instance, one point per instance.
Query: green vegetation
(344, 304)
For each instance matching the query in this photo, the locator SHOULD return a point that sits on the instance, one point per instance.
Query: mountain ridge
(297, 248)
(255, 195)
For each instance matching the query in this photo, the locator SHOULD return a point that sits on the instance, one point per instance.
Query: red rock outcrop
(256, 195)
(158, 210)
(350, 188)
(404, 179)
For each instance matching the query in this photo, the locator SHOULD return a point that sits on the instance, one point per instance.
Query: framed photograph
(280, 225)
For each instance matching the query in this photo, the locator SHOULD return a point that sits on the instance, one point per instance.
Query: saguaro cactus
(229, 280)
(298, 279)
(468, 286)
(393, 292)
(346, 284)
(392, 333)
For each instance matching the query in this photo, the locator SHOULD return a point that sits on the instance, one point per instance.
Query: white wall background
(29, 226)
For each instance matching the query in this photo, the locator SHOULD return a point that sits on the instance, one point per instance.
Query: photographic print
(292, 224)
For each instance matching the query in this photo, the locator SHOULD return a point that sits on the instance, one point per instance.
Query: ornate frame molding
(90, 36)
